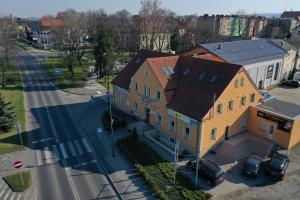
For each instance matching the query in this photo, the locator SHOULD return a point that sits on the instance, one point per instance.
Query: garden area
(12, 95)
(66, 81)
(158, 173)
(19, 182)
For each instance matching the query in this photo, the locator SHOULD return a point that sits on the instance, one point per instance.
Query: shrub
(118, 123)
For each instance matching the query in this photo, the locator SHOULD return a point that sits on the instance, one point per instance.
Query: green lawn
(66, 81)
(13, 92)
(15, 181)
(158, 173)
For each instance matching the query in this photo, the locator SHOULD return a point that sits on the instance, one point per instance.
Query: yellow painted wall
(282, 138)
(231, 118)
(295, 133)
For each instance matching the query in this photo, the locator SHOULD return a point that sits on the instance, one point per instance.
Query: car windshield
(251, 167)
(277, 163)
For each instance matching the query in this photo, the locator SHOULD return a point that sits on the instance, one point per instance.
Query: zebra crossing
(54, 153)
(6, 193)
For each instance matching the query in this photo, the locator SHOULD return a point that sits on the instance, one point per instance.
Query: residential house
(291, 14)
(238, 26)
(157, 42)
(262, 60)
(289, 59)
(195, 101)
(225, 25)
(44, 35)
(296, 34)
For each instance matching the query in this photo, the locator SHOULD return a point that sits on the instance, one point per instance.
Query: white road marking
(48, 139)
(84, 163)
(39, 157)
(47, 155)
(56, 154)
(34, 142)
(3, 190)
(7, 194)
(13, 196)
(63, 150)
(71, 149)
(78, 147)
(19, 196)
(86, 145)
(41, 140)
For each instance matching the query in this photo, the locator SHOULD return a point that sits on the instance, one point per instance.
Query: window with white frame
(252, 98)
(171, 124)
(213, 134)
(127, 101)
(186, 133)
(243, 100)
(220, 108)
(230, 105)
(157, 95)
(135, 107)
(158, 118)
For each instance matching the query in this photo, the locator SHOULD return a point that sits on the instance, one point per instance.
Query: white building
(262, 60)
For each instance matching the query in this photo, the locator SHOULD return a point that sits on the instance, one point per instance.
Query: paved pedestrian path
(6, 193)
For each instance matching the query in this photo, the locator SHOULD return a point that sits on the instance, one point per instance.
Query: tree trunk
(3, 76)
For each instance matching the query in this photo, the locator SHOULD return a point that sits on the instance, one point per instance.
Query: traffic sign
(18, 164)
(58, 71)
(99, 130)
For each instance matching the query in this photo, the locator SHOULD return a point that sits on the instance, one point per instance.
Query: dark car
(291, 83)
(277, 166)
(208, 170)
(252, 165)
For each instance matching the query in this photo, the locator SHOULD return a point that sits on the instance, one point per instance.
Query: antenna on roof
(219, 46)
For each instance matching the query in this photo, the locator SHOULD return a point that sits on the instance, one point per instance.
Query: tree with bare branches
(71, 37)
(7, 34)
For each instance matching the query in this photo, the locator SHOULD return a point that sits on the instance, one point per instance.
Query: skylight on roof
(186, 72)
(201, 76)
(168, 70)
(233, 51)
(138, 60)
(214, 79)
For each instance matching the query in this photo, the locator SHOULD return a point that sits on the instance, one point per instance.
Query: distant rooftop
(282, 108)
(245, 51)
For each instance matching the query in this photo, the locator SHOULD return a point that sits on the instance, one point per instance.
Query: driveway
(288, 189)
(291, 95)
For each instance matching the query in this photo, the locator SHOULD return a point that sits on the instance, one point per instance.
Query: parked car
(208, 170)
(266, 95)
(291, 83)
(252, 165)
(277, 166)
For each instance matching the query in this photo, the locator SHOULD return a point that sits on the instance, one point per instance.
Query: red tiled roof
(49, 22)
(200, 52)
(194, 97)
(124, 77)
(184, 93)
(210, 56)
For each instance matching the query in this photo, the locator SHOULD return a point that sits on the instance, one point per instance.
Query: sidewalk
(130, 184)
(6, 168)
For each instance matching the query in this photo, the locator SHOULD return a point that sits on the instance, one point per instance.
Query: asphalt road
(66, 166)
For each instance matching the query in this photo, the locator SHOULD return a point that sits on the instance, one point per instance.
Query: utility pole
(111, 118)
(18, 127)
(176, 149)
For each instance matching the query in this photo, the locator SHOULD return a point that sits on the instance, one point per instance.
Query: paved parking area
(288, 189)
(287, 94)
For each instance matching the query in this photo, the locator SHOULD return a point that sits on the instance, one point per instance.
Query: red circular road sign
(18, 164)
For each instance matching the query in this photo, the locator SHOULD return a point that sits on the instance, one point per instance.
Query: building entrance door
(226, 132)
(271, 131)
(260, 84)
(147, 115)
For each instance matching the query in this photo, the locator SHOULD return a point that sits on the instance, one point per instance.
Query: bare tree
(71, 37)
(7, 33)
(95, 22)
(123, 24)
(153, 25)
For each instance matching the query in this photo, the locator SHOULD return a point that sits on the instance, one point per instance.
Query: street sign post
(58, 72)
(17, 165)
(18, 127)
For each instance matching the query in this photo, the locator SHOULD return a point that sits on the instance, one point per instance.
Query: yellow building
(194, 101)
